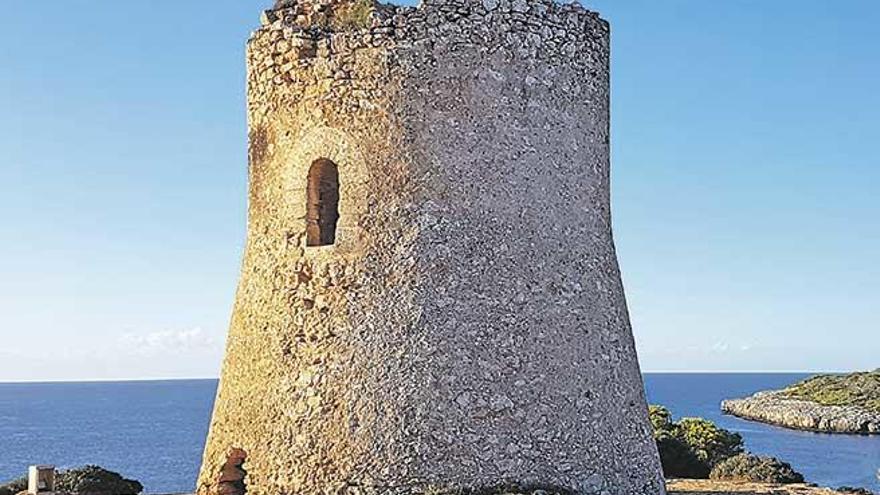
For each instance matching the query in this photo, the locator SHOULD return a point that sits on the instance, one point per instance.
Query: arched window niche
(322, 203)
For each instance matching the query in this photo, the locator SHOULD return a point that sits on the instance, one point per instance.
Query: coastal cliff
(827, 403)
(780, 409)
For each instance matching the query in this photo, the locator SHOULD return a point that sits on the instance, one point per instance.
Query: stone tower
(429, 296)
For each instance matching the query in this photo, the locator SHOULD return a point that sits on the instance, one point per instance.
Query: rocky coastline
(778, 408)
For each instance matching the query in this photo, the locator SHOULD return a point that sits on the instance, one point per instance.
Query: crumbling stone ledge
(774, 407)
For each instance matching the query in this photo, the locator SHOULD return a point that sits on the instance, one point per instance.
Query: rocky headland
(825, 403)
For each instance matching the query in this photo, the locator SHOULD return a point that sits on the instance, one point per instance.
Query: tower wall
(468, 326)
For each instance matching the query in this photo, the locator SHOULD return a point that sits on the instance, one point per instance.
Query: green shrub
(89, 480)
(677, 458)
(94, 480)
(750, 468)
(854, 490)
(710, 443)
(691, 447)
(661, 418)
(13, 487)
(354, 14)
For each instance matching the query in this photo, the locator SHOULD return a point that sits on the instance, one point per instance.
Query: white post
(41, 480)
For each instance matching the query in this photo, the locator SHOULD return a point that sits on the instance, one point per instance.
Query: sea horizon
(154, 430)
(644, 372)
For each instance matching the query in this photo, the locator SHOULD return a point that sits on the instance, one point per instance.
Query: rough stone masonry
(429, 298)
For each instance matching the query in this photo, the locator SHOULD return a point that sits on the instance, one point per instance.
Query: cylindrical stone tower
(429, 297)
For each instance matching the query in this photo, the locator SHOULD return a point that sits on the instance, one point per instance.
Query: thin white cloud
(174, 341)
(720, 347)
(182, 353)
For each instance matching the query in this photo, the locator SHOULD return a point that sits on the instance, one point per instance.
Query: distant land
(847, 403)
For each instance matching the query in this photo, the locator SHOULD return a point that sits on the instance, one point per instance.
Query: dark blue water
(829, 460)
(154, 431)
(150, 431)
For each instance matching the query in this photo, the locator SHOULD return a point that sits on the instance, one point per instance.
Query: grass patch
(352, 15)
(855, 389)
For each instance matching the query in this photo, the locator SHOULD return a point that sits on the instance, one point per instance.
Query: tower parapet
(430, 295)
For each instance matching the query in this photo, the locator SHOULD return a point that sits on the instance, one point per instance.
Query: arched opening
(232, 474)
(322, 208)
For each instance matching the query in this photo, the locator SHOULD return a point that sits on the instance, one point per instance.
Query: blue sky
(745, 181)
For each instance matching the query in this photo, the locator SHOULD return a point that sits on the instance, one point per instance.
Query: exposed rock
(775, 407)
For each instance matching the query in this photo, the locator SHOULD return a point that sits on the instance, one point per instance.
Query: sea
(154, 431)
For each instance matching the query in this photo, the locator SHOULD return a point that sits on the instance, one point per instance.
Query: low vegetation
(14, 486)
(855, 389)
(854, 490)
(352, 15)
(88, 480)
(754, 469)
(690, 448)
(697, 448)
(94, 480)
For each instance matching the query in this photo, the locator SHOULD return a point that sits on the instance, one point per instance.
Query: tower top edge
(353, 15)
(424, 4)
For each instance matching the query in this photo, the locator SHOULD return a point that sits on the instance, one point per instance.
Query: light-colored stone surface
(777, 408)
(41, 479)
(712, 487)
(469, 325)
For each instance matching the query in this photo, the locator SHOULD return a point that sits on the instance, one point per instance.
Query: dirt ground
(709, 487)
